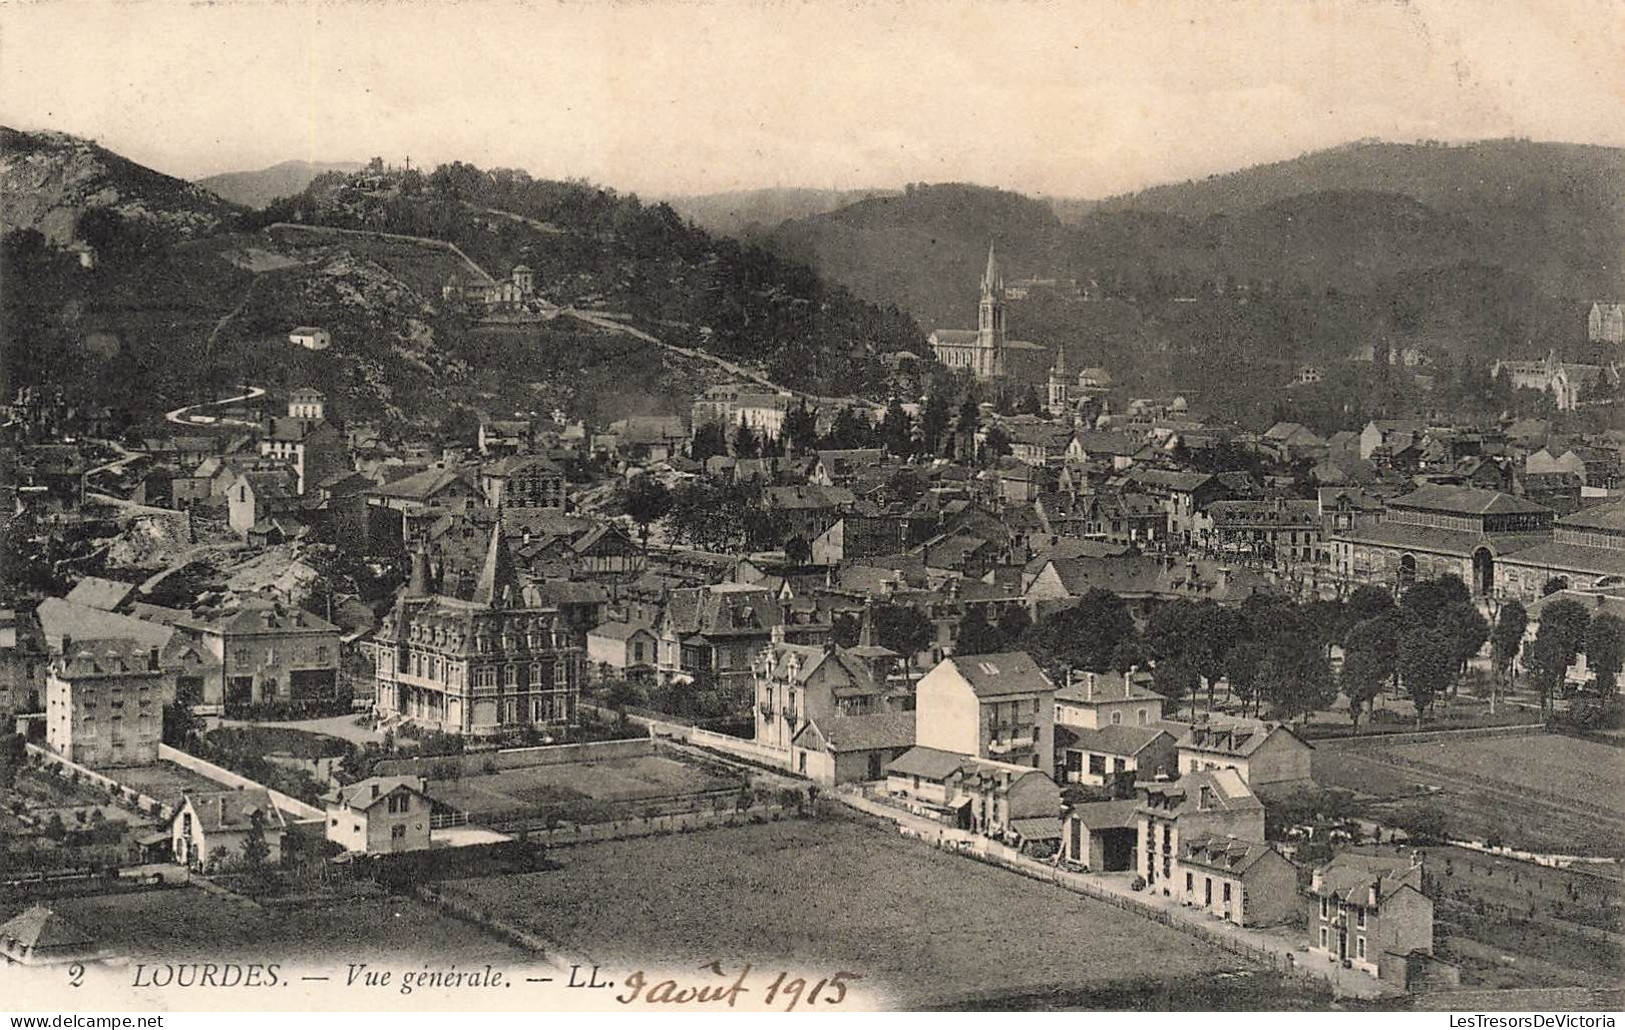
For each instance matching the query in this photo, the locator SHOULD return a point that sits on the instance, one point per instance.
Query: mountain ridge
(256, 188)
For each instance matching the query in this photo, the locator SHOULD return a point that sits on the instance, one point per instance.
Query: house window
(397, 833)
(1190, 883)
(1359, 917)
(1117, 718)
(1359, 947)
(1227, 894)
(1323, 938)
(1097, 765)
(1324, 914)
(1140, 716)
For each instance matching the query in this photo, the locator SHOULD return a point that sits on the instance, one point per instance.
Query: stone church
(985, 351)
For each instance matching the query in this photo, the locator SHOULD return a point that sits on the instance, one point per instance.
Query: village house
(1268, 756)
(305, 440)
(310, 337)
(732, 405)
(379, 815)
(523, 482)
(712, 634)
(1101, 835)
(265, 503)
(38, 936)
(104, 703)
(796, 684)
(1369, 912)
(269, 652)
(995, 706)
(851, 748)
(1208, 803)
(505, 437)
(995, 799)
(209, 829)
(625, 649)
(1244, 882)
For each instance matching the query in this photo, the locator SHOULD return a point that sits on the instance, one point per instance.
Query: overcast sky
(1079, 99)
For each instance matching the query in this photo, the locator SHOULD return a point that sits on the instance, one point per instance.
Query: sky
(1080, 99)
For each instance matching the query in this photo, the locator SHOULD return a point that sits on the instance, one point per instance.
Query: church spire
(993, 278)
(497, 585)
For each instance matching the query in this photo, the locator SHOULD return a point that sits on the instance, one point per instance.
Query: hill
(1468, 253)
(257, 189)
(49, 181)
(164, 319)
(924, 250)
(754, 212)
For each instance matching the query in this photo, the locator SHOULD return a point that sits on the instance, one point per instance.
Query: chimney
(67, 645)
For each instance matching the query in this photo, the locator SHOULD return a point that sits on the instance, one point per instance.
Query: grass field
(1541, 792)
(578, 791)
(422, 266)
(165, 781)
(186, 923)
(924, 927)
(1589, 773)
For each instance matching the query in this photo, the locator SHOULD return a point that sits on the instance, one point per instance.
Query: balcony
(1007, 745)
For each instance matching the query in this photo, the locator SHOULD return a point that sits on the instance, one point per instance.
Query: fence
(676, 822)
(1384, 739)
(225, 777)
(435, 767)
(144, 803)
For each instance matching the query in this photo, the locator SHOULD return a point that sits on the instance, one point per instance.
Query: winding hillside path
(186, 416)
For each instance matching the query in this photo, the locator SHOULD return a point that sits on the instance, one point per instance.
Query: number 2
(76, 974)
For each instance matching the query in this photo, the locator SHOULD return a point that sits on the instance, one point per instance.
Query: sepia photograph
(516, 507)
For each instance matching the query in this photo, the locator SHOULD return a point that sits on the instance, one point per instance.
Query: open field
(165, 781)
(578, 791)
(186, 923)
(1539, 792)
(421, 265)
(924, 927)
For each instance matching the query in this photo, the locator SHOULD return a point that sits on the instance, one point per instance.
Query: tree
(797, 550)
(745, 442)
(1468, 631)
(647, 502)
(709, 441)
(1370, 658)
(1426, 602)
(13, 756)
(1085, 636)
(897, 430)
(1014, 622)
(850, 430)
(1176, 680)
(256, 850)
(1554, 585)
(1427, 664)
(976, 636)
(903, 628)
(1507, 637)
(800, 433)
(1605, 650)
(1296, 678)
(934, 421)
(1242, 667)
(1557, 643)
(1368, 602)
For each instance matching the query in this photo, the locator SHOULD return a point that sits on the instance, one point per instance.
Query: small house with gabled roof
(379, 815)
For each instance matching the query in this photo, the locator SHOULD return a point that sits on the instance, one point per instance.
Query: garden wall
(149, 805)
(227, 778)
(428, 766)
